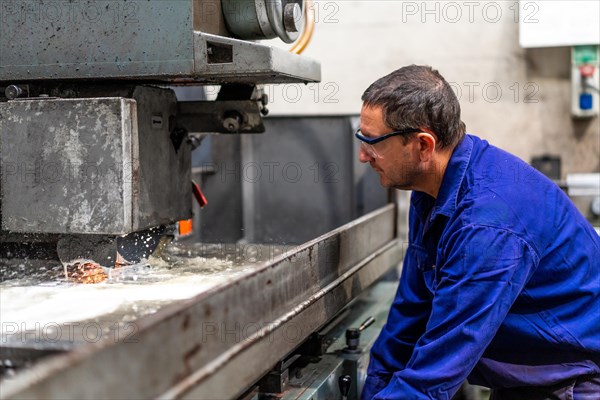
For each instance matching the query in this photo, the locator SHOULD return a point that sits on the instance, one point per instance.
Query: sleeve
(405, 324)
(484, 271)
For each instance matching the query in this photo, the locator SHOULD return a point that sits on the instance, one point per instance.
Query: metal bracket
(237, 109)
(278, 379)
(220, 116)
(241, 61)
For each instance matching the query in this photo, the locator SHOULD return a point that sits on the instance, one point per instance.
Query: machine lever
(344, 383)
(368, 322)
(199, 195)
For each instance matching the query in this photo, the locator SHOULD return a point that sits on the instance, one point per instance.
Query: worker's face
(397, 163)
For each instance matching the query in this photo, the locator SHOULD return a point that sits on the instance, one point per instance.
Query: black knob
(352, 338)
(344, 382)
(352, 333)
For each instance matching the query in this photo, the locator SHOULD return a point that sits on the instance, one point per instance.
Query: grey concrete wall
(518, 99)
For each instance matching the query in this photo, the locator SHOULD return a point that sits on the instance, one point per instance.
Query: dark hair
(418, 97)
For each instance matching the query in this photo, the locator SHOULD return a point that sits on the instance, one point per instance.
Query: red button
(587, 70)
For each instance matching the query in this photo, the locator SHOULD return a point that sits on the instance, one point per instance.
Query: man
(501, 279)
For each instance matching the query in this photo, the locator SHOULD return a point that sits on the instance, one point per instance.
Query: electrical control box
(584, 81)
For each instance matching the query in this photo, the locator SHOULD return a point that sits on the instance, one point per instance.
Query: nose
(364, 156)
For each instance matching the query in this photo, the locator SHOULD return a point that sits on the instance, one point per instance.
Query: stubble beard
(407, 178)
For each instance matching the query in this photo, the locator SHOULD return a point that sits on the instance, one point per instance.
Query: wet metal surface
(34, 295)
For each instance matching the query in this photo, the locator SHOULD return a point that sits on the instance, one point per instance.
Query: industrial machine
(90, 116)
(96, 164)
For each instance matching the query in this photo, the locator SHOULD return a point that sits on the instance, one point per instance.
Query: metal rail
(219, 343)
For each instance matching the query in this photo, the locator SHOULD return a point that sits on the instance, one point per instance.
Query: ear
(426, 142)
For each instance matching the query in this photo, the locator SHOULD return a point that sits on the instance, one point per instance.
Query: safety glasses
(367, 143)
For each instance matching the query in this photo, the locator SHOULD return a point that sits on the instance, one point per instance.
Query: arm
(405, 324)
(485, 269)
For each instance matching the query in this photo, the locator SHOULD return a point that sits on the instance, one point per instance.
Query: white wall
(518, 99)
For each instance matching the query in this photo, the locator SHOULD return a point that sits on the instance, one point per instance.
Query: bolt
(232, 121)
(292, 17)
(12, 92)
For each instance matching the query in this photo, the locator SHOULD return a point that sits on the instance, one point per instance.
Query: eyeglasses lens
(369, 149)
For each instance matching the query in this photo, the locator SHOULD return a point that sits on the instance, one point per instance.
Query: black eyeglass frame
(371, 141)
